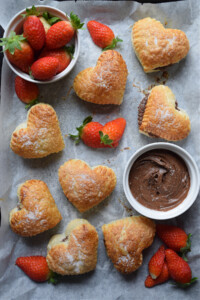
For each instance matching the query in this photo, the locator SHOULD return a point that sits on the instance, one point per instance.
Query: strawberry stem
(53, 278)
(77, 137)
(70, 50)
(33, 102)
(50, 18)
(105, 139)
(185, 285)
(113, 45)
(75, 21)
(31, 12)
(187, 248)
(12, 42)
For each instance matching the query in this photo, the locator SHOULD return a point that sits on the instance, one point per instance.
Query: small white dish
(16, 24)
(194, 183)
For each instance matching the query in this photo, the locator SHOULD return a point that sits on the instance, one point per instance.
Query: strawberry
(112, 132)
(89, 133)
(34, 32)
(96, 135)
(62, 54)
(178, 268)
(156, 263)
(102, 35)
(62, 32)
(163, 277)
(174, 237)
(18, 51)
(36, 268)
(26, 91)
(44, 68)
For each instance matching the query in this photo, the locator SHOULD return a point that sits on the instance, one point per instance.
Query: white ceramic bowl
(16, 25)
(194, 183)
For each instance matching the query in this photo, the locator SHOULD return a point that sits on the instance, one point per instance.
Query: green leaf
(187, 248)
(50, 18)
(105, 139)
(75, 21)
(33, 11)
(70, 50)
(33, 102)
(77, 137)
(53, 278)
(54, 20)
(113, 45)
(185, 285)
(12, 42)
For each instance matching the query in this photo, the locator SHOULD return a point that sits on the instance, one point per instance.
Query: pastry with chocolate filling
(36, 211)
(159, 116)
(75, 251)
(125, 239)
(156, 46)
(105, 83)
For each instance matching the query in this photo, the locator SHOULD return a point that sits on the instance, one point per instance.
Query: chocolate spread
(159, 179)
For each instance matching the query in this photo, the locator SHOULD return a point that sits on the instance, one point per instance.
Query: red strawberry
(89, 133)
(26, 91)
(45, 24)
(156, 263)
(36, 268)
(174, 237)
(62, 32)
(163, 277)
(178, 268)
(34, 32)
(112, 132)
(18, 51)
(62, 54)
(45, 68)
(96, 135)
(102, 35)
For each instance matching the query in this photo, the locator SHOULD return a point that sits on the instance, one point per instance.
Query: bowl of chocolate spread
(161, 181)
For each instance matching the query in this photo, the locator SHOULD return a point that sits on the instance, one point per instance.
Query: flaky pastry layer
(75, 251)
(155, 46)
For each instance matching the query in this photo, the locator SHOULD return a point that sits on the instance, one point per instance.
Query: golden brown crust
(155, 46)
(74, 252)
(37, 210)
(86, 187)
(105, 83)
(41, 135)
(161, 118)
(125, 240)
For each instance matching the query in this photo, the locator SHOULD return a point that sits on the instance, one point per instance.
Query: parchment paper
(105, 282)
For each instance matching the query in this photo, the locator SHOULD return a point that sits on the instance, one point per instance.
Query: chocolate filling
(162, 68)
(65, 239)
(176, 106)
(141, 109)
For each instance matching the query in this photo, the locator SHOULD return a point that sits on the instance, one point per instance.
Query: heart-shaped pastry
(105, 83)
(159, 115)
(40, 135)
(75, 251)
(156, 46)
(36, 211)
(85, 187)
(125, 239)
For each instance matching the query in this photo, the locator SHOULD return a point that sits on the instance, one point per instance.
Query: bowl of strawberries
(41, 44)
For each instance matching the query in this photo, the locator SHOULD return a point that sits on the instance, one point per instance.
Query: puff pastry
(155, 46)
(85, 187)
(36, 211)
(75, 251)
(40, 135)
(125, 239)
(105, 83)
(159, 116)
